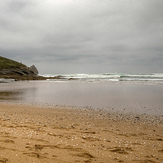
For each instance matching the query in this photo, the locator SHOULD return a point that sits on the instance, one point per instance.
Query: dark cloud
(73, 36)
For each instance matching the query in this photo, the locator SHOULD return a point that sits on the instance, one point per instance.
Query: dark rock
(34, 69)
(10, 69)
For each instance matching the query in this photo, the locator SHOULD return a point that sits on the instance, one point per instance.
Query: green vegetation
(8, 63)
(10, 69)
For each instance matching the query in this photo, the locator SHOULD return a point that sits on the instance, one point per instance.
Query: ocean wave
(155, 77)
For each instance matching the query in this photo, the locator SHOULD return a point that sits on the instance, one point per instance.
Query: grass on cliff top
(8, 63)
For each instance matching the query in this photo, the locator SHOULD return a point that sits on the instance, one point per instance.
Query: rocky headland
(10, 69)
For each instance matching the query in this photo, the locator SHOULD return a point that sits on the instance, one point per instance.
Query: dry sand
(31, 134)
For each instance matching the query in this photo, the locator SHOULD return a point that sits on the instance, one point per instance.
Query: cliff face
(16, 70)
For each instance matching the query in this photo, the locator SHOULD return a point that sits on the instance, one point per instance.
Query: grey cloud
(83, 35)
(151, 15)
(17, 5)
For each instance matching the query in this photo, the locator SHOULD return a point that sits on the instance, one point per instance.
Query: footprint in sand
(3, 160)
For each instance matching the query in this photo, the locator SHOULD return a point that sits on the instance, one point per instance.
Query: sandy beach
(61, 134)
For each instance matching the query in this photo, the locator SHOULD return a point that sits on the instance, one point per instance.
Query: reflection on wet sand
(10, 95)
(123, 97)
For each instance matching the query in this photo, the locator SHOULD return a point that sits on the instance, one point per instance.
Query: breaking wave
(154, 77)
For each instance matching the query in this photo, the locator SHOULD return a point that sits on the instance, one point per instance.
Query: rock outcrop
(34, 69)
(17, 71)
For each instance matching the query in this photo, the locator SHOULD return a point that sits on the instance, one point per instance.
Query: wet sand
(121, 96)
(61, 134)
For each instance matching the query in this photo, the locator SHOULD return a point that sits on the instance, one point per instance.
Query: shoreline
(152, 119)
(125, 98)
(61, 134)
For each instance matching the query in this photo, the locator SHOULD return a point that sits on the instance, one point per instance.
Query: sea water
(90, 91)
(153, 77)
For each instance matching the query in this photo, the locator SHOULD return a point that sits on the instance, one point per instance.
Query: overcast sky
(83, 36)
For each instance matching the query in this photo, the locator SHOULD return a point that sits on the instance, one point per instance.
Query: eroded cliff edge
(10, 69)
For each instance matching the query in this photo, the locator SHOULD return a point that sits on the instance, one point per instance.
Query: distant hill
(18, 71)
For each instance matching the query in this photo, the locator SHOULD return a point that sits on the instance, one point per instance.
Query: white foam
(155, 77)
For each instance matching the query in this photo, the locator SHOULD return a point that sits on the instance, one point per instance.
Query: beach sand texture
(48, 135)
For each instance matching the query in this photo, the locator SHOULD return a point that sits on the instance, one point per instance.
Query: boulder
(34, 69)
